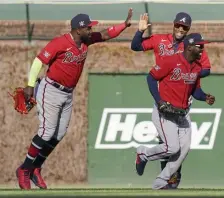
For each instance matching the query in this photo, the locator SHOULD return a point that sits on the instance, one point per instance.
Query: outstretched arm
(115, 30)
(136, 44)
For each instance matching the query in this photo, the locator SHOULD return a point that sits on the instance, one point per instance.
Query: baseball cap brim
(182, 23)
(202, 42)
(93, 23)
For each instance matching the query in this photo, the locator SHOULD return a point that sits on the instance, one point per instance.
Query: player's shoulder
(59, 38)
(59, 41)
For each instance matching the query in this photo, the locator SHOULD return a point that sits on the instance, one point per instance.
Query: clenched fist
(210, 99)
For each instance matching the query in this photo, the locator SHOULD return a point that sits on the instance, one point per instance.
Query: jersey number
(176, 74)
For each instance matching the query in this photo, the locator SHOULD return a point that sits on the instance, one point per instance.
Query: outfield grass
(112, 192)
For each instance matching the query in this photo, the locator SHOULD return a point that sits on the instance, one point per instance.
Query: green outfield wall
(119, 116)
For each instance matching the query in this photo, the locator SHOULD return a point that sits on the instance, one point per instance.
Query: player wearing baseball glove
(165, 45)
(65, 56)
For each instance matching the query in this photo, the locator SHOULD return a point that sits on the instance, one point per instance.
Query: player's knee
(45, 136)
(185, 149)
(173, 149)
(59, 136)
(160, 140)
(53, 142)
(38, 141)
(188, 147)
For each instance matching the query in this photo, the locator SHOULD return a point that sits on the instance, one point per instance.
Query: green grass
(112, 192)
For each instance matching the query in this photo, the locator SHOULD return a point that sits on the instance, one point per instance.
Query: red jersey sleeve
(49, 52)
(149, 43)
(161, 70)
(204, 61)
(96, 37)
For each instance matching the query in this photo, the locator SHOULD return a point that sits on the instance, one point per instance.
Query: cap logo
(191, 40)
(81, 23)
(183, 20)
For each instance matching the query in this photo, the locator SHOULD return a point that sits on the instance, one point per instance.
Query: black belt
(62, 88)
(59, 86)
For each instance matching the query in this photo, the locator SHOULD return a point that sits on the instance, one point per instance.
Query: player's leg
(62, 126)
(63, 122)
(35, 175)
(163, 161)
(168, 132)
(48, 110)
(48, 147)
(174, 181)
(65, 118)
(176, 160)
(176, 177)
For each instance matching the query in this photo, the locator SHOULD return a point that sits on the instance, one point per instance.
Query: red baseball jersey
(177, 79)
(162, 44)
(66, 59)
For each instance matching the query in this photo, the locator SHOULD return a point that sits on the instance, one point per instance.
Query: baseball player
(179, 78)
(65, 55)
(167, 45)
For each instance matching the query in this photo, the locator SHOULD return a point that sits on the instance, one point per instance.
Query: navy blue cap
(183, 19)
(194, 39)
(82, 20)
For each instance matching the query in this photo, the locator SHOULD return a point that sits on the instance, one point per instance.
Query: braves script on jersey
(65, 59)
(177, 79)
(162, 44)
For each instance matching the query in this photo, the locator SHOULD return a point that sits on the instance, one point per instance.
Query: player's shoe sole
(139, 165)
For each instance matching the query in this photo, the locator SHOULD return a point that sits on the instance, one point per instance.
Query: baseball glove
(21, 104)
(167, 109)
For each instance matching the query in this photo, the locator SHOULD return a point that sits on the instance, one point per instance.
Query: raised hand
(128, 20)
(143, 22)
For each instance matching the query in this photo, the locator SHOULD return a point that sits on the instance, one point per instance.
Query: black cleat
(140, 165)
(175, 180)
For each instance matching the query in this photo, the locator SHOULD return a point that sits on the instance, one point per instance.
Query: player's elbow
(204, 73)
(136, 46)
